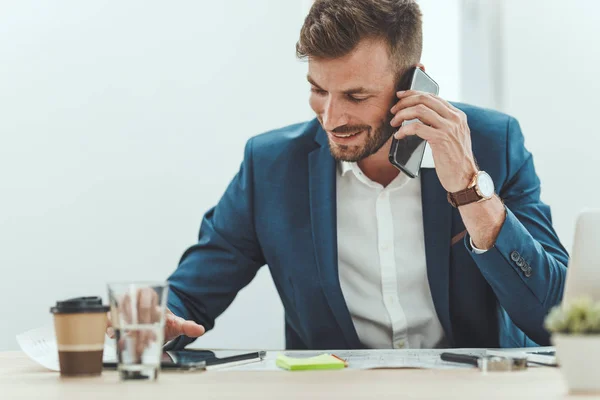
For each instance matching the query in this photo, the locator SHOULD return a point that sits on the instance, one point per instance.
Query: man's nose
(334, 115)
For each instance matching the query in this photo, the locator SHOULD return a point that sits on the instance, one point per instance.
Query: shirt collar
(346, 167)
(427, 162)
(427, 158)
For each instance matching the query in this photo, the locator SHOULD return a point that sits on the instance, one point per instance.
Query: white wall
(123, 122)
(482, 40)
(547, 66)
(552, 62)
(441, 45)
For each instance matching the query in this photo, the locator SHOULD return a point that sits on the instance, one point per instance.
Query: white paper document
(40, 345)
(382, 359)
(371, 359)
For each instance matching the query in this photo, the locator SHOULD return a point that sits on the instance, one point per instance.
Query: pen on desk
(460, 358)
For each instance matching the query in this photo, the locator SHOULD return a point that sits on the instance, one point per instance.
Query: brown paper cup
(80, 326)
(80, 341)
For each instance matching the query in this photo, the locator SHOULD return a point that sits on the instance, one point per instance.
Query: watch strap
(463, 197)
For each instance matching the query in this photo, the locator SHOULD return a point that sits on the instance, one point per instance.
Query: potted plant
(575, 329)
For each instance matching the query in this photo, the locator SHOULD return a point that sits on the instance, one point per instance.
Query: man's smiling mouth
(346, 135)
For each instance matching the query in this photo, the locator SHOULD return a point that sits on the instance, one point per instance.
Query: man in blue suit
(362, 255)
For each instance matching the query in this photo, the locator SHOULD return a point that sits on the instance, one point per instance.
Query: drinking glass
(137, 312)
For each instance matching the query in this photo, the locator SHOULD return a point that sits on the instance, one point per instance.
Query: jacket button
(520, 262)
(515, 256)
(528, 272)
(525, 267)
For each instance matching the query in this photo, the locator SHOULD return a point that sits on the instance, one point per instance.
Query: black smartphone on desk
(407, 154)
(193, 359)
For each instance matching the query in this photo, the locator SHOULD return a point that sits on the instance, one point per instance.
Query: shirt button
(399, 344)
(515, 256)
(385, 246)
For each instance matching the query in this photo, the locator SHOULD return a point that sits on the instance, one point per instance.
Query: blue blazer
(280, 211)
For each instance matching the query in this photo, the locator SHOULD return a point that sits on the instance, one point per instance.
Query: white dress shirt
(382, 267)
(381, 260)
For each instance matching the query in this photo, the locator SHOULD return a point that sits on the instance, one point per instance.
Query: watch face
(485, 185)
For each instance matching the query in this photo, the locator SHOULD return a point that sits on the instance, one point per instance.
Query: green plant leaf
(580, 316)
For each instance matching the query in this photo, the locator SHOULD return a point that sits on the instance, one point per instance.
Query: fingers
(427, 108)
(410, 98)
(192, 329)
(135, 314)
(126, 312)
(421, 112)
(147, 300)
(142, 308)
(447, 104)
(425, 132)
(176, 326)
(147, 306)
(173, 326)
(109, 329)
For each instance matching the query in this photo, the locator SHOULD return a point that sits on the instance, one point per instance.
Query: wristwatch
(481, 188)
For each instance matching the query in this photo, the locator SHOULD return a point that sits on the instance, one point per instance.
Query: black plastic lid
(79, 305)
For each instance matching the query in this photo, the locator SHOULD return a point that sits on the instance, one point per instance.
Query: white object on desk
(577, 354)
(583, 274)
(40, 345)
(529, 353)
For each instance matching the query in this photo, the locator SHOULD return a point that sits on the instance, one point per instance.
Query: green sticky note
(324, 361)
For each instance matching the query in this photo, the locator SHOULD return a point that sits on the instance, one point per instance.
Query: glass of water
(137, 312)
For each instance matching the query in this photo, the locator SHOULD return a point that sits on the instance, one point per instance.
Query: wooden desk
(21, 378)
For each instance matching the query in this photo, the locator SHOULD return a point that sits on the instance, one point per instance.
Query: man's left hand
(446, 130)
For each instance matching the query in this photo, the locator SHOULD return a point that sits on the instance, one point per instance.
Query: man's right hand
(174, 327)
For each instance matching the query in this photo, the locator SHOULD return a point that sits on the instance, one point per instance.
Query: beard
(375, 138)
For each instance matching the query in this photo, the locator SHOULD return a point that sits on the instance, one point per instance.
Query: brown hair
(333, 28)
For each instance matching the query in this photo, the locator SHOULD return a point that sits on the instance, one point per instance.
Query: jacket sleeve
(527, 265)
(225, 259)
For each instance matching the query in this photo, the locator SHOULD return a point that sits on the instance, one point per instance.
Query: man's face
(352, 97)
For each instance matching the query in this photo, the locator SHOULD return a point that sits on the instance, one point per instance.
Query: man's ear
(421, 66)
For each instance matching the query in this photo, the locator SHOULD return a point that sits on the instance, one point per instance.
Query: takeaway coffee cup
(80, 325)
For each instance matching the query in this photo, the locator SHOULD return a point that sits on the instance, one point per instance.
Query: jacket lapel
(437, 223)
(323, 215)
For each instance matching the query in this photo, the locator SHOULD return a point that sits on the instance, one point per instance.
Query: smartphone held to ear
(406, 154)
